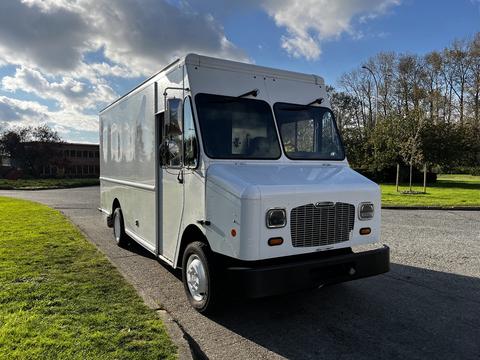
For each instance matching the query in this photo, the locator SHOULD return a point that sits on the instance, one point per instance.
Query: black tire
(119, 228)
(200, 251)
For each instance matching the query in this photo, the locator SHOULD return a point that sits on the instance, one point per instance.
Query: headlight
(366, 211)
(276, 218)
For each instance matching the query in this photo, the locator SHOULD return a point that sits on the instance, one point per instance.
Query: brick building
(71, 160)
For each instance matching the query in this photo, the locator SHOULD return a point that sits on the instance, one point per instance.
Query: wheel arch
(115, 204)
(191, 233)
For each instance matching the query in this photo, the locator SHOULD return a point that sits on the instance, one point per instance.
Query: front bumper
(265, 279)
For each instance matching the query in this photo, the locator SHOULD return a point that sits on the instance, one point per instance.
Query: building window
(85, 154)
(79, 153)
(90, 154)
(96, 154)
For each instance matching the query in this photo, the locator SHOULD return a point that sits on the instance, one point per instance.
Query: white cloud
(14, 112)
(310, 22)
(299, 46)
(53, 40)
(49, 42)
(149, 33)
(68, 93)
(22, 112)
(138, 36)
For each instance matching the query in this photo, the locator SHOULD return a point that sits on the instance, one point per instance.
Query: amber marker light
(365, 231)
(275, 241)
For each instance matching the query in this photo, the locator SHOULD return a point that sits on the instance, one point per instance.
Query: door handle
(180, 176)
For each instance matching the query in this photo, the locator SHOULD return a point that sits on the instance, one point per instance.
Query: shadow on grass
(445, 184)
(407, 313)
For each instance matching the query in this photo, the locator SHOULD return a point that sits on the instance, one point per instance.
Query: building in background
(67, 159)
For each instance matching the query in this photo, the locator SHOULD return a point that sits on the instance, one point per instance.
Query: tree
(473, 80)
(426, 103)
(458, 66)
(12, 144)
(16, 143)
(45, 134)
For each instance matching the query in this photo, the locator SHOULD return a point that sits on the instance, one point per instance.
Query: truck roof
(207, 61)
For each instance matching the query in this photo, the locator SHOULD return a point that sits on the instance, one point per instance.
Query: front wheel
(198, 277)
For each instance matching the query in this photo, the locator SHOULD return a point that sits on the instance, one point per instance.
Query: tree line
(412, 109)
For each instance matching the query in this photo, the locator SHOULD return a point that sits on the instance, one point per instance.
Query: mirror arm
(173, 88)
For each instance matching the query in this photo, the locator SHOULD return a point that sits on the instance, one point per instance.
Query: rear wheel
(119, 228)
(198, 277)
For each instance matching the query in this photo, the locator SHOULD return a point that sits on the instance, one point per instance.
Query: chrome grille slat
(323, 225)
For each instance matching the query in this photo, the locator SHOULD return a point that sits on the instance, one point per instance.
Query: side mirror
(171, 132)
(173, 116)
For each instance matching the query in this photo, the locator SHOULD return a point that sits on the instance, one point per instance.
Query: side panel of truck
(127, 163)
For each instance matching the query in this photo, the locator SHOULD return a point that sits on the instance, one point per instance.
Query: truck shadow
(136, 248)
(409, 312)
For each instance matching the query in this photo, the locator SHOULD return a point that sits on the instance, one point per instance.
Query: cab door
(171, 175)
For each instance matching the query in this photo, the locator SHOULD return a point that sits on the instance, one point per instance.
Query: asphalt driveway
(427, 306)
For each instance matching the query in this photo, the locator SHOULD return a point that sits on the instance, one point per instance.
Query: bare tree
(473, 81)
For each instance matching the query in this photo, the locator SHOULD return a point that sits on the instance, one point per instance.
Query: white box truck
(236, 174)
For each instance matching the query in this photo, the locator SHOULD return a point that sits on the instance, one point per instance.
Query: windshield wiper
(253, 92)
(316, 101)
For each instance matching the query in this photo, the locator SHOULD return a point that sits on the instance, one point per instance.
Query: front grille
(321, 224)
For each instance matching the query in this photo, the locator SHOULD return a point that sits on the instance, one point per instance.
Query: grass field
(31, 184)
(450, 190)
(60, 298)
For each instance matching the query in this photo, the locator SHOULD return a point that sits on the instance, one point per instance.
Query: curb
(39, 188)
(447, 208)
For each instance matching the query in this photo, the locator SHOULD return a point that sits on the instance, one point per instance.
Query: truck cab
(240, 179)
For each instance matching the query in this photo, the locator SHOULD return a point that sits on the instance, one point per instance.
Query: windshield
(237, 128)
(308, 132)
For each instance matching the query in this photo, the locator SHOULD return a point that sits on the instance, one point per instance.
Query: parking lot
(427, 306)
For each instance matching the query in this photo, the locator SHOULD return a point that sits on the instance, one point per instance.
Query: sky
(61, 61)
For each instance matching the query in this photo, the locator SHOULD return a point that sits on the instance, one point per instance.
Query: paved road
(427, 306)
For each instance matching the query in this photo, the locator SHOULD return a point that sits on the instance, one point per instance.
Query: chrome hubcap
(196, 278)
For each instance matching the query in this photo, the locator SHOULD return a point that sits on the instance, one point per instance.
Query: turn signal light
(365, 231)
(275, 241)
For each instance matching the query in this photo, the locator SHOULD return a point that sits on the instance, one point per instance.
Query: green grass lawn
(28, 184)
(60, 298)
(450, 190)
